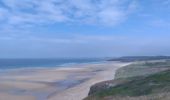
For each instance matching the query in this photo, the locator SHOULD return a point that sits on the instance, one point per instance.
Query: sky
(84, 28)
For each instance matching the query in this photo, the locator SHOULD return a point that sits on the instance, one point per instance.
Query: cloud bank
(103, 12)
(83, 46)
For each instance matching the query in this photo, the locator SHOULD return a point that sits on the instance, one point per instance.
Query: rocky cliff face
(102, 86)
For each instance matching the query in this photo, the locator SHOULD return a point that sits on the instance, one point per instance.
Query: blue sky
(84, 28)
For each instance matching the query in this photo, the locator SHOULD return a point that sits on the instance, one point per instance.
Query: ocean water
(6, 64)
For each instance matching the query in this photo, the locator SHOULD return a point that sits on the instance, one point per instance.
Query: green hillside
(153, 86)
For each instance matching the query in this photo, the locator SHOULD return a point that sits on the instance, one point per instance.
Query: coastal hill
(139, 58)
(144, 79)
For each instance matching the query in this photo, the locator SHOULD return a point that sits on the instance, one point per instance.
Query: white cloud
(104, 12)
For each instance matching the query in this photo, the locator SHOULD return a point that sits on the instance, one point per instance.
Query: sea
(13, 64)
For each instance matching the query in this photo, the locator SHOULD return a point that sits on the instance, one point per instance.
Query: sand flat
(55, 84)
(81, 91)
(6, 96)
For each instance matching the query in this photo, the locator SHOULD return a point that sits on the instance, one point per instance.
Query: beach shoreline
(68, 83)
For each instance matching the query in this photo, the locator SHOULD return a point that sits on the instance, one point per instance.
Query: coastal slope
(146, 80)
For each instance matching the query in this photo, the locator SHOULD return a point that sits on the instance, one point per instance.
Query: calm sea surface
(6, 64)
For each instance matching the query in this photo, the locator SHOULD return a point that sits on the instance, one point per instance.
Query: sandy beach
(70, 83)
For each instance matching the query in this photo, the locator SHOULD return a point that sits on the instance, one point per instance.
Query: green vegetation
(146, 80)
(141, 86)
(142, 68)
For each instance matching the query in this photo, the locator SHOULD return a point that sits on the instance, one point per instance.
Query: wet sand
(72, 83)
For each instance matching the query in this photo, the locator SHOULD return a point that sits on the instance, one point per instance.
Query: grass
(139, 86)
(159, 96)
(142, 69)
(147, 80)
